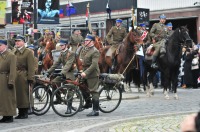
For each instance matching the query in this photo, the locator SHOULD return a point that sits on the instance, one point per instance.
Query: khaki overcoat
(7, 76)
(25, 71)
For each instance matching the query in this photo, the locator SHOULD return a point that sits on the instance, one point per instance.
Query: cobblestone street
(134, 114)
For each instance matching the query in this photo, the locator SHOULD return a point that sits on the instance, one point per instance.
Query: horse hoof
(167, 97)
(176, 97)
(148, 95)
(139, 90)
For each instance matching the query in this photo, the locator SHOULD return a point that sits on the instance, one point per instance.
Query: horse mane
(128, 43)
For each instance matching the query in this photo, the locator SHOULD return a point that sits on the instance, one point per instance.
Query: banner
(70, 9)
(48, 12)
(143, 16)
(2, 12)
(22, 11)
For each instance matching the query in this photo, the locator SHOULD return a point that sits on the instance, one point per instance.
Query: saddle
(117, 50)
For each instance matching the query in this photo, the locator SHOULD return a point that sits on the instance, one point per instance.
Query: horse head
(98, 43)
(184, 36)
(49, 45)
(134, 36)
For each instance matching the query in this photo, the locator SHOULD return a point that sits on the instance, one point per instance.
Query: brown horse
(98, 43)
(47, 58)
(125, 54)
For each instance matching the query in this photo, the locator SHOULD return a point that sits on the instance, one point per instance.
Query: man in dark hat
(25, 76)
(90, 57)
(115, 37)
(76, 39)
(7, 81)
(67, 59)
(159, 30)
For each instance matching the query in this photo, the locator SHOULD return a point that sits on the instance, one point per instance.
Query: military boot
(88, 101)
(20, 113)
(95, 111)
(69, 107)
(57, 101)
(8, 119)
(3, 119)
(88, 104)
(154, 65)
(114, 63)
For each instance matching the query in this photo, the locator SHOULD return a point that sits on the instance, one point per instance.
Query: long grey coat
(26, 60)
(7, 76)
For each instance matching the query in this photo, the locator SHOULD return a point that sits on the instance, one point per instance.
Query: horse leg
(175, 83)
(109, 61)
(166, 84)
(151, 76)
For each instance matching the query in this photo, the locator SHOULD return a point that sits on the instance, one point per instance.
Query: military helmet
(169, 24)
(63, 41)
(20, 37)
(90, 37)
(3, 41)
(162, 16)
(142, 25)
(119, 20)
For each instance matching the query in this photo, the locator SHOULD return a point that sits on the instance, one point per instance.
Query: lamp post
(35, 20)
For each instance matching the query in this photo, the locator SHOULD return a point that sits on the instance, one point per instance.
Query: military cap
(20, 37)
(90, 37)
(119, 20)
(169, 24)
(31, 47)
(162, 16)
(3, 41)
(142, 25)
(63, 41)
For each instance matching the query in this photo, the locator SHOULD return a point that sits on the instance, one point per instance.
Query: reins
(128, 64)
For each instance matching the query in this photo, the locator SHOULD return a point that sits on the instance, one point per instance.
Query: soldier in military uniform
(32, 48)
(159, 31)
(24, 77)
(7, 81)
(169, 29)
(76, 39)
(67, 59)
(90, 56)
(115, 37)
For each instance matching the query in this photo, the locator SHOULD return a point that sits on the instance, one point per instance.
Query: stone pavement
(141, 114)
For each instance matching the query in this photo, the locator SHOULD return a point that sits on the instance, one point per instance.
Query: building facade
(179, 12)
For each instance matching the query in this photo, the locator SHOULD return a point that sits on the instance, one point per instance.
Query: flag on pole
(70, 9)
(61, 13)
(86, 17)
(88, 23)
(108, 10)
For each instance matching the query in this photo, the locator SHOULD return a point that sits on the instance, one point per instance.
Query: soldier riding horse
(126, 52)
(169, 64)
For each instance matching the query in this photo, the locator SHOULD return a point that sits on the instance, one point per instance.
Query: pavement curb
(127, 98)
(114, 122)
